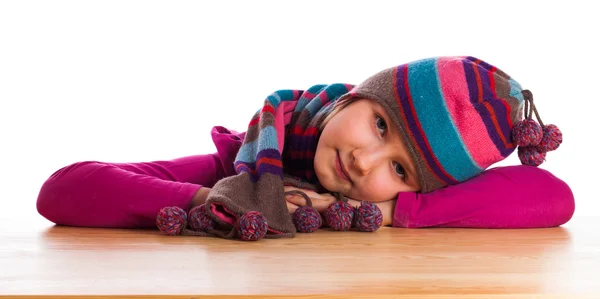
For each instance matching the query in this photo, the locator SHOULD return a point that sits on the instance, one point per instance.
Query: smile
(339, 168)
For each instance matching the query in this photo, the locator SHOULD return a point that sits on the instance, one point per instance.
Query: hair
(337, 107)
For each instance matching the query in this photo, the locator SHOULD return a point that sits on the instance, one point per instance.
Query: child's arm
(200, 196)
(503, 197)
(125, 195)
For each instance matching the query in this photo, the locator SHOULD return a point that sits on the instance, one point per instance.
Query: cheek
(322, 154)
(357, 133)
(379, 187)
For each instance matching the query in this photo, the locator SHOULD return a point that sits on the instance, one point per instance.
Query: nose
(365, 159)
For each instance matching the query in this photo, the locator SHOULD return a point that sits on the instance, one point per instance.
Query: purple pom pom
(171, 220)
(530, 155)
(368, 217)
(551, 139)
(199, 219)
(307, 219)
(252, 226)
(339, 215)
(527, 132)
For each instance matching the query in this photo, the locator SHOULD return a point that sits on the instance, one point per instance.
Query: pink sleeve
(502, 197)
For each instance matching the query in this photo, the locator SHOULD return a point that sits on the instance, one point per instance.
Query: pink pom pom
(171, 220)
(252, 226)
(530, 155)
(527, 132)
(199, 219)
(551, 139)
(368, 217)
(307, 219)
(339, 215)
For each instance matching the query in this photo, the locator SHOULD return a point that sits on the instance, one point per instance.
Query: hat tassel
(534, 140)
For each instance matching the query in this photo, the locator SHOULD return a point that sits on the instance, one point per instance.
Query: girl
(415, 139)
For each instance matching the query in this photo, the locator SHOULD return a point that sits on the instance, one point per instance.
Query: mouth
(339, 168)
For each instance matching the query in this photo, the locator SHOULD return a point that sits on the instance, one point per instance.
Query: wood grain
(391, 263)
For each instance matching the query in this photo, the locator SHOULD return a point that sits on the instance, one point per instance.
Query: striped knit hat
(458, 116)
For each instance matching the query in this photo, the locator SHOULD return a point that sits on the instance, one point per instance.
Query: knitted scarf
(274, 153)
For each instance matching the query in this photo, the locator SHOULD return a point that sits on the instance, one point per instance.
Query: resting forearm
(387, 211)
(504, 197)
(200, 196)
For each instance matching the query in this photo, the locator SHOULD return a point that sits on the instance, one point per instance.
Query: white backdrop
(146, 80)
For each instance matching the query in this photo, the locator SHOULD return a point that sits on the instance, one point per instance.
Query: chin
(324, 180)
(329, 187)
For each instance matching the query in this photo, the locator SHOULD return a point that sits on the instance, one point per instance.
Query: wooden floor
(450, 263)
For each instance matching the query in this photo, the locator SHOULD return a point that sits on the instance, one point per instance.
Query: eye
(382, 127)
(380, 124)
(399, 170)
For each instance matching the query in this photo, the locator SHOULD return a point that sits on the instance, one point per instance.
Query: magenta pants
(124, 195)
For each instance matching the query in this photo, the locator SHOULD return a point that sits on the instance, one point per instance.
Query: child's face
(372, 154)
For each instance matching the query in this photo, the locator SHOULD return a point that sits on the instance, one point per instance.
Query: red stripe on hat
(492, 81)
(479, 84)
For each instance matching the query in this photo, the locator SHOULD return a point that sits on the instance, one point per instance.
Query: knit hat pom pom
(199, 219)
(307, 219)
(171, 220)
(368, 217)
(339, 215)
(551, 139)
(531, 155)
(252, 226)
(527, 132)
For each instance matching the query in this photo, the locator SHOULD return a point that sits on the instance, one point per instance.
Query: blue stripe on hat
(436, 121)
(515, 90)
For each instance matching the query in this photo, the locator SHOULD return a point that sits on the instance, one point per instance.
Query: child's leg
(124, 195)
